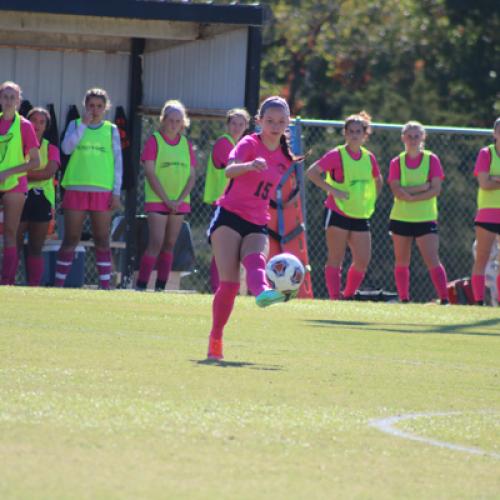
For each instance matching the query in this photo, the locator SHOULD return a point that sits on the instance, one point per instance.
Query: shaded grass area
(488, 327)
(109, 395)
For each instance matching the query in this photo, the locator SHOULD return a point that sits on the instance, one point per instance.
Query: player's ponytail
(287, 149)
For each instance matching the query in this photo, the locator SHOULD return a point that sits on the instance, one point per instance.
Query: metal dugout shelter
(142, 52)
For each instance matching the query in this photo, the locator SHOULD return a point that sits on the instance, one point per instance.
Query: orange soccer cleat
(215, 349)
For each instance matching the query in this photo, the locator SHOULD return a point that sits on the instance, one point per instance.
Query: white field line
(387, 425)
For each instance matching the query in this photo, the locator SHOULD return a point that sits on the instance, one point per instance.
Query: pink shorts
(488, 215)
(22, 186)
(159, 207)
(94, 201)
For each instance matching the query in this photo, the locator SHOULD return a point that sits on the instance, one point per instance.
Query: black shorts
(223, 217)
(36, 207)
(489, 226)
(348, 223)
(413, 229)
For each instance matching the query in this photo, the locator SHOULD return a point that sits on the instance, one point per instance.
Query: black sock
(141, 285)
(160, 285)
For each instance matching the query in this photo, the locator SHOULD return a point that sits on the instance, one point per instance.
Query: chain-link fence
(202, 134)
(457, 149)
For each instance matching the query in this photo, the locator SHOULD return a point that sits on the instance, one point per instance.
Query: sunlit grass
(107, 395)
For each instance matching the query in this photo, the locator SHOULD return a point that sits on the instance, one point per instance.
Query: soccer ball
(285, 272)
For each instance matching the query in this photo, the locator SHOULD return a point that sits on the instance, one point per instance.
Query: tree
(399, 59)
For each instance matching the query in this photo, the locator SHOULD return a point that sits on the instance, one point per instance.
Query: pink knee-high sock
(402, 279)
(63, 266)
(222, 306)
(147, 264)
(354, 279)
(498, 287)
(103, 263)
(214, 275)
(440, 281)
(164, 265)
(13, 270)
(9, 267)
(332, 279)
(34, 264)
(255, 266)
(477, 281)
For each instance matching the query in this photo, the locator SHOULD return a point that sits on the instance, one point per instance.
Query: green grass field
(107, 395)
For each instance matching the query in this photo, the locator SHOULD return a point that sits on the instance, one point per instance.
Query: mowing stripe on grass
(387, 425)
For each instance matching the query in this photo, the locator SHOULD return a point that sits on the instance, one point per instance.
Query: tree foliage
(437, 61)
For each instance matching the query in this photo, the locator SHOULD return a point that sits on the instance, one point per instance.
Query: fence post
(135, 129)
(297, 148)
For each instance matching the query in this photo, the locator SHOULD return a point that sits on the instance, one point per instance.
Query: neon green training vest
(92, 162)
(216, 180)
(47, 185)
(358, 182)
(173, 169)
(490, 198)
(415, 211)
(11, 153)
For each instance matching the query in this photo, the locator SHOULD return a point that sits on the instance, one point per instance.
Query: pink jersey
(488, 215)
(53, 154)
(248, 195)
(150, 151)
(331, 162)
(28, 135)
(435, 168)
(220, 152)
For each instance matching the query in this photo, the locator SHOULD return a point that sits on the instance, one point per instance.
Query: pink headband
(274, 102)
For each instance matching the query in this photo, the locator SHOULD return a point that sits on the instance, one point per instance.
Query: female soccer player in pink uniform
(352, 183)
(415, 177)
(237, 121)
(92, 181)
(169, 162)
(487, 171)
(17, 142)
(39, 206)
(238, 230)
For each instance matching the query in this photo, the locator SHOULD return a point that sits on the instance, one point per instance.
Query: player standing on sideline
(487, 222)
(17, 142)
(352, 182)
(169, 162)
(238, 230)
(237, 122)
(92, 181)
(415, 178)
(39, 205)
